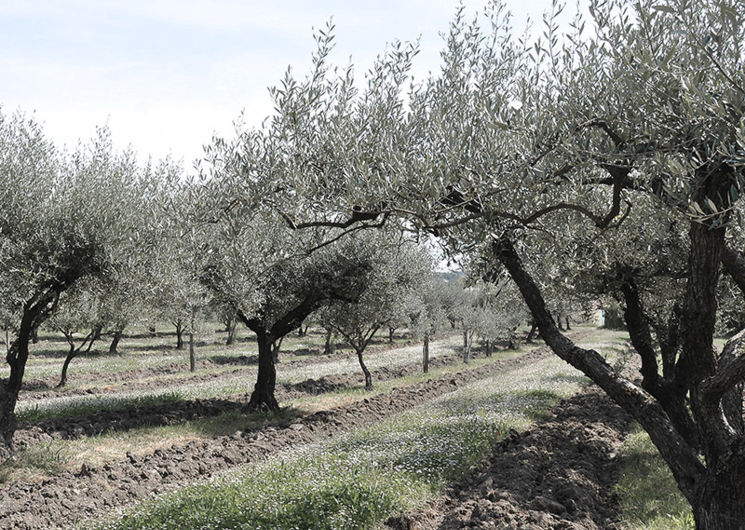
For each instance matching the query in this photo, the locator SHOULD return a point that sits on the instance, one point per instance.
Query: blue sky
(166, 74)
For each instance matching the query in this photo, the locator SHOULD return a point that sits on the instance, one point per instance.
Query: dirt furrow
(556, 475)
(73, 496)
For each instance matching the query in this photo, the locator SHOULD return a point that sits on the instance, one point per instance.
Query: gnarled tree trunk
(262, 397)
(34, 313)
(715, 487)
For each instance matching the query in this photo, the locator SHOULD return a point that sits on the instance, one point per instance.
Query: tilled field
(171, 413)
(72, 496)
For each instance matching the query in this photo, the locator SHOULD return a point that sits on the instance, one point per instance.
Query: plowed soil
(557, 475)
(73, 496)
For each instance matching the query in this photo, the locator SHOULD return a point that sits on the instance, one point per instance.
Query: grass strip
(648, 497)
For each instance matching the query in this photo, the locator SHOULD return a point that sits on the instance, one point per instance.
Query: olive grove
(621, 141)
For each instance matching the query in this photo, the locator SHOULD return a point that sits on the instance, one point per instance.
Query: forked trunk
(74, 352)
(262, 398)
(715, 488)
(368, 376)
(425, 354)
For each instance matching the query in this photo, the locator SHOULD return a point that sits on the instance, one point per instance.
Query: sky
(165, 75)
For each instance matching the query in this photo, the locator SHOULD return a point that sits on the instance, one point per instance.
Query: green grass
(648, 496)
(40, 460)
(98, 404)
(359, 479)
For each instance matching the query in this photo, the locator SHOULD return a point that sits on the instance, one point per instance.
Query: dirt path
(74, 496)
(556, 475)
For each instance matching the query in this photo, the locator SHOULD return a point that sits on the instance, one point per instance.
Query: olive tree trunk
(425, 353)
(368, 375)
(34, 313)
(715, 484)
(262, 397)
(179, 335)
(74, 352)
(466, 346)
(192, 353)
(114, 346)
(329, 347)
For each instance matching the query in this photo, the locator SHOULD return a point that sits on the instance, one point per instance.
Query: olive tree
(80, 312)
(601, 130)
(55, 231)
(399, 268)
(275, 277)
(427, 316)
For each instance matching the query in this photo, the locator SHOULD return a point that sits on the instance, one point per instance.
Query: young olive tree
(184, 254)
(427, 316)
(398, 270)
(80, 312)
(65, 217)
(629, 127)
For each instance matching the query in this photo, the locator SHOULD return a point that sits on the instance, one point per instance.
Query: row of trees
(92, 242)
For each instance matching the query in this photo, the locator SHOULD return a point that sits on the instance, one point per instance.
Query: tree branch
(618, 141)
(731, 374)
(679, 455)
